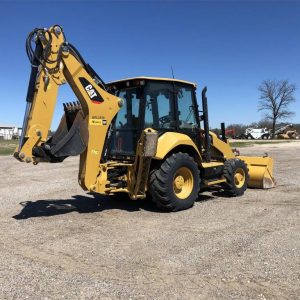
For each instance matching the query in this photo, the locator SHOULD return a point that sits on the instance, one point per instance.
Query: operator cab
(160, 103)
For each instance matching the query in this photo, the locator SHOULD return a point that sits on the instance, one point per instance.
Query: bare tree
(264, 123)
(275, 97)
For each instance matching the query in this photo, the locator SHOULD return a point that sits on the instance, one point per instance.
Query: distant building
(9, 132)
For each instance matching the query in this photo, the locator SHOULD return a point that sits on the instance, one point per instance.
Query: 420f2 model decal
(91, 91)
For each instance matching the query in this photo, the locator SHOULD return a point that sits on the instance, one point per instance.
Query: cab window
(159, 112)
(128, 115)
(125, 134)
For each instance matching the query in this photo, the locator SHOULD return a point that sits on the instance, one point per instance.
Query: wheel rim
(183, 183)
(239, 177)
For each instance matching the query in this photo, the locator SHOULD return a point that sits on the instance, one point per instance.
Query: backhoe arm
(55, 62)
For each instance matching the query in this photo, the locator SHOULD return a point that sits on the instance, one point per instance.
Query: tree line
(275, 97)
(239, 129)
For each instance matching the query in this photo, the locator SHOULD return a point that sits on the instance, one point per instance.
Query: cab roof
(153, 78)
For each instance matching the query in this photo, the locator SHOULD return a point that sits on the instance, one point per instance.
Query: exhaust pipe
(224, 139)
(207, 154)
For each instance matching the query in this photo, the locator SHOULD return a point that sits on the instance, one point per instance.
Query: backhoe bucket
(260, 172)
(70, 138)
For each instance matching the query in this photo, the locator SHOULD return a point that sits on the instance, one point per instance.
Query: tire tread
(159, 189)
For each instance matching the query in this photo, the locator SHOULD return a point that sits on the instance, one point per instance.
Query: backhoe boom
(55, 62)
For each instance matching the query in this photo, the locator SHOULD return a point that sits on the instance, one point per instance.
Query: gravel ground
(57, 242)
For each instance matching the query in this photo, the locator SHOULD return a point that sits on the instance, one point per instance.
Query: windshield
(159, 105)
(169, 106)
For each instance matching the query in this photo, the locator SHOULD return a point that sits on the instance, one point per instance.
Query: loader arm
(55, 62)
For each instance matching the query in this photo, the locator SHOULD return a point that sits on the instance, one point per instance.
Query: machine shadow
(204, 198)
(91, 203)
(81, 204)
(214, 192)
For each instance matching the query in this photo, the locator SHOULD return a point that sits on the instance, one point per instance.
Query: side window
(186, 108)
(128, 115)
(149, 112)
(121, 118)
(164, 109)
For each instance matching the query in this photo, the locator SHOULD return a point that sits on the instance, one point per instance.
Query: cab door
(186, 110)
(127, 124)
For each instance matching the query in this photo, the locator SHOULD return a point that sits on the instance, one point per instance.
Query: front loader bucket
(260, 172)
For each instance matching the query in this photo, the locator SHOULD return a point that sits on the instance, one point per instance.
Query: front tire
(175, 184)
(236, 174)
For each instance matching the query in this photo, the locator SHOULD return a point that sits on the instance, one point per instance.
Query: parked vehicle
(286, 132)
(257, 133)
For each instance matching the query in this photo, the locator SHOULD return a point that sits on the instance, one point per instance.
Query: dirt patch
(57, 241)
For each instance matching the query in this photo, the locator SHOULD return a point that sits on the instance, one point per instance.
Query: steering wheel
(165, 119)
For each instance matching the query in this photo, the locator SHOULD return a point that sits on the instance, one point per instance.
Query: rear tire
(236, 174)
(175, 184)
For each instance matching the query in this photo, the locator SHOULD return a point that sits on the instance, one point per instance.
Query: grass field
(8, 147)
(242, 144)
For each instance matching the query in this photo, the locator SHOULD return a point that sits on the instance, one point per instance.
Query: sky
(228, 46)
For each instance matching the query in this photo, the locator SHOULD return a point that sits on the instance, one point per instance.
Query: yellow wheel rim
(239, 177)
(183, 183)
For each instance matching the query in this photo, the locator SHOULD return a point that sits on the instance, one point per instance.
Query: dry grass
(8, 147)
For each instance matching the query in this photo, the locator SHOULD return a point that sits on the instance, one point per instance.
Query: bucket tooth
(78, 105)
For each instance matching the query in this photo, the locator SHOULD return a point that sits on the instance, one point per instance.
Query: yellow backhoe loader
(142, 136)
